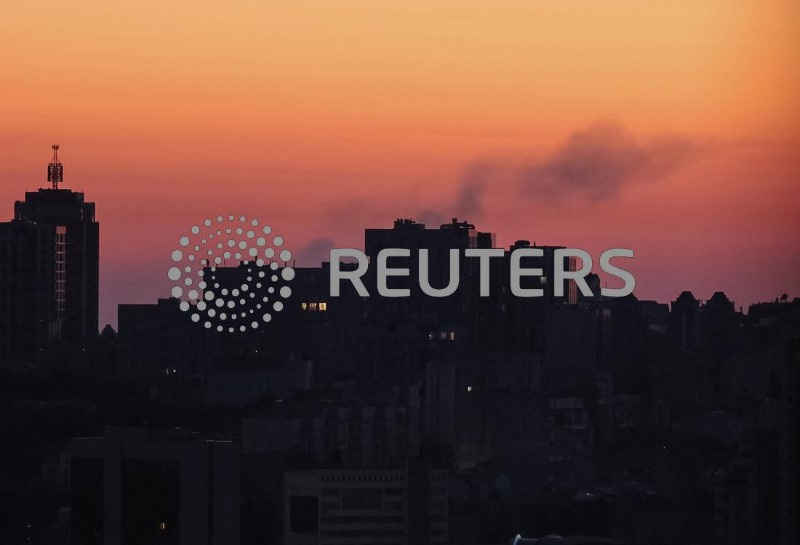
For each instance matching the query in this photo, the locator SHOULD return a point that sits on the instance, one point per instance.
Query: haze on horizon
(670, 128)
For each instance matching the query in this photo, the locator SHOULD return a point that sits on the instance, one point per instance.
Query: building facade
(366, 506)
(145, 485)
(49, 271)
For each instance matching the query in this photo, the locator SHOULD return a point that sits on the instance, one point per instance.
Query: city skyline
(315, 251)
(678, 121)
(343, 251)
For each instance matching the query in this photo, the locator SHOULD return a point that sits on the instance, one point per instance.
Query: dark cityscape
(463, 420)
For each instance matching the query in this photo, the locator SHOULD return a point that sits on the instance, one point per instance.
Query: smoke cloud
(598, 162)
(315, 252)
(592, 164)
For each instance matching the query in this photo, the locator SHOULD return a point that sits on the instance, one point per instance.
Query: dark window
(303, 514)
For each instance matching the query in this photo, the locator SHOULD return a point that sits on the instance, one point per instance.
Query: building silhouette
(49, 265)
(366, 506)
(150, 485)
(463, 419)
(28, 297)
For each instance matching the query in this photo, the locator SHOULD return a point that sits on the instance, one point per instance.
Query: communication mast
(55, 170)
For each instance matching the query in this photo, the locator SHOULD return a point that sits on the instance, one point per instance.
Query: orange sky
(325, 117)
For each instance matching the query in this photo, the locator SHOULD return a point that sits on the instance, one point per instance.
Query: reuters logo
(231, 274)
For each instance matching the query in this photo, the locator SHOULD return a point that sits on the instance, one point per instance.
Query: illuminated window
(312, 306)
(452, 335)
(323, 307)
(162, 526)
(304, 306)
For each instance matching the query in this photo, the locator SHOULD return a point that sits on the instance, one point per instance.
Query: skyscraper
(49, 267)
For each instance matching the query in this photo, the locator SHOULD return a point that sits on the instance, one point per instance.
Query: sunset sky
(672, 128)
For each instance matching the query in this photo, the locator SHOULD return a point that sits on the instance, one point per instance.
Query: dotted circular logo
(231, 274)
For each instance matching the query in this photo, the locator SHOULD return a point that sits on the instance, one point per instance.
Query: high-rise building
(151, 485)
(49, 268)
(28, 300)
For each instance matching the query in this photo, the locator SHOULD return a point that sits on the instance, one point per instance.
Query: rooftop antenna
(55, 170)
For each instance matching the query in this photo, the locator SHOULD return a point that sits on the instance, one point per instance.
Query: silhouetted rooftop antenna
(55, 170)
